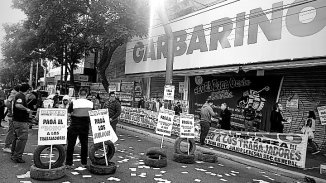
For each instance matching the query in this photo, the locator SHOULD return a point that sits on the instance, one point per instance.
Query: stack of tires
(155, 157)
(183, 157)
(98, 165)
(207, 157)
(40, 170)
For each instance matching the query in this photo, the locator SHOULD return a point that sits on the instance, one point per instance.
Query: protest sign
(52, 126)
(322, 114)
(168, 92)
(187, 126)
(288, 149)
(101, 128)
(164, 124)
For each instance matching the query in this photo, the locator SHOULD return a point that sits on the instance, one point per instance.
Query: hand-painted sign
(52, 126)
(322, 114)
(164, 124)
(187, 125)
(168, 92)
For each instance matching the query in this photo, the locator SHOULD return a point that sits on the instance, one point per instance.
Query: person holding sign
(79, 127)
(114, 108)
(206, 114)
(20, 124)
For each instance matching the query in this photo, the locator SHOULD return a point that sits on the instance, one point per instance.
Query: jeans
(10, 133)
(204, 128)
(312, 145)
(20, 139)
(114, 123)
(73, 133)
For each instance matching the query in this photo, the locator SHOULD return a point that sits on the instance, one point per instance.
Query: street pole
(31, 75)
(36, 78)
(44, 68)
(169, 60)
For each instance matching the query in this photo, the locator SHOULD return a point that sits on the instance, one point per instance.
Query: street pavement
(129, 157)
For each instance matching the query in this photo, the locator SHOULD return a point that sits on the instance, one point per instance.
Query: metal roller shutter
(309, 86)
(157, 87)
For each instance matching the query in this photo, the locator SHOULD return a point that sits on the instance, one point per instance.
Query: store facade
(258, 52)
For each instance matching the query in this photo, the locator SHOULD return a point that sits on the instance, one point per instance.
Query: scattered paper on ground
(74, 173)
(87, 176)
(23, 176)
(80, 168)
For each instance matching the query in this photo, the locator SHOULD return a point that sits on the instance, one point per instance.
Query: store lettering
(271, 28)
(215, 85)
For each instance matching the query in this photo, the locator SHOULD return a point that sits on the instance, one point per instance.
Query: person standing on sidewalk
(307, 130)
(20, 124)
(79, 127)
(114, 109)
(2, 105)
(10, 133)
(206, 114)
(277, 119)
(225, 117)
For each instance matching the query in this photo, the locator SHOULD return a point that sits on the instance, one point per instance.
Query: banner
(187, 125)
(238, 92)
(287, 149)
(101, 128)
(164, 124)
(52, 126)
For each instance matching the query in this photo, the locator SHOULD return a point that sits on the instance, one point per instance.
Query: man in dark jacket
(141, 103)
(114, 109)
(206, 113)
(277, 119)
(178, 109)
(225, 117)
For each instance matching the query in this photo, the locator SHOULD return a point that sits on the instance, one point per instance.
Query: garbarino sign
(242, 32)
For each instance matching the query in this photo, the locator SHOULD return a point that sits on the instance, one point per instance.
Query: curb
(263, 166)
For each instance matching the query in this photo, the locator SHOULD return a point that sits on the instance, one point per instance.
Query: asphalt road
(129, 158)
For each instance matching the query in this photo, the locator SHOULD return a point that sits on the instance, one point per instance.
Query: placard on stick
(101, 128)
(187, 125)
(164, 123)
(52, 126)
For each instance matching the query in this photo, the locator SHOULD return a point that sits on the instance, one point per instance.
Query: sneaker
(6, 150)
(19, 160)
(316, 152)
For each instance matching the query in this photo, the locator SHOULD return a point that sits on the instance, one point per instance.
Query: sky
(8, 15)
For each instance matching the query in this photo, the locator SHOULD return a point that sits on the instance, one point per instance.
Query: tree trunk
(104, 64)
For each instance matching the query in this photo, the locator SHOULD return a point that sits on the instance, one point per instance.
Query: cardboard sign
(52, 126)
(293, 104)
(164, 124)
(101, 128)
(168, 92)
(187, 125)
(322, 114)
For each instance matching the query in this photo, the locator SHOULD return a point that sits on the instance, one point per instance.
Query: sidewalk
(312, 163)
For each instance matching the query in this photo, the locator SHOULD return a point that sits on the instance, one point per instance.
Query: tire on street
(155, 151)
(103, 169)
(207, 157)
(184, 158)
(177, 144)
(155, 162)
(45, 165)
(110, 150)
(46, 174)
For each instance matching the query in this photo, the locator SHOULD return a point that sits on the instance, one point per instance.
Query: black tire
(46, 174)
(207, 157)
(110, 150)
(184, 158)
(155, 151)
(58, 163)
(103, 170)
(155, 162)
(192, 146)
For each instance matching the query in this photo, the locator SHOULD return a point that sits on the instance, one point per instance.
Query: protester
(10, 133)
(96, 102)
(312, 116)
(65, 102)
(206, 113)
(178, 109)
(20, 124)
(225, 117)
(249, 114)
(307, 130)
(141, 103)
(114, 109)
(2, 105)
(277, 119)
(79, 127)
(55, 100)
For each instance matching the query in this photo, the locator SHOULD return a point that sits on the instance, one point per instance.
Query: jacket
(114, 108)
(276, 122)
(206, 113)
